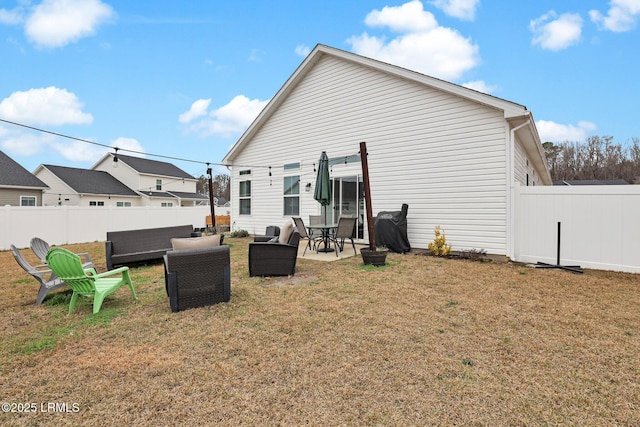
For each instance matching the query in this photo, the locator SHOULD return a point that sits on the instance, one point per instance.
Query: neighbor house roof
(153, 167)
(14, 175)
(189, 196)
(516, 114)
(88, 181)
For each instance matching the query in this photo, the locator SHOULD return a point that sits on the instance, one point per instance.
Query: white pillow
(179, 243)
(285, 232)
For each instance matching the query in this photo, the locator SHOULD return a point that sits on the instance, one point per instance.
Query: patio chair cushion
(285, 232)
(181, 243)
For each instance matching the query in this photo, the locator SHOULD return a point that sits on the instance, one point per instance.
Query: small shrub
(439, 246)
(239, 233)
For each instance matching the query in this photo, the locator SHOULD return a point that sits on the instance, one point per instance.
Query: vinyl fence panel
(600, 226)
(59, 225)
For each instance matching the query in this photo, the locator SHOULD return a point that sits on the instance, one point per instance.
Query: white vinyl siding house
(83, 187)
(18, 186)
(443, 149)
(158, 183)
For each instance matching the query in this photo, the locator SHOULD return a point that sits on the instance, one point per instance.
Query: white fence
(600, 226)
(59, 225)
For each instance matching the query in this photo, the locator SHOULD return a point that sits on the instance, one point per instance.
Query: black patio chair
(346, 230)
(302, 230)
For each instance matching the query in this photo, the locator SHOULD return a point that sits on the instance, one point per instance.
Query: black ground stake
(571, 268)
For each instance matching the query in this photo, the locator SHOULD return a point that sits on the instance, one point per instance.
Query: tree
(220, 183)
(222, 186)
(599, 157)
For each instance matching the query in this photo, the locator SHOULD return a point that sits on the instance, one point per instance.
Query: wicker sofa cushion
(179, 243)
(285, 232)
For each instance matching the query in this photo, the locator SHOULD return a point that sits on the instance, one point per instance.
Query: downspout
(511, 190)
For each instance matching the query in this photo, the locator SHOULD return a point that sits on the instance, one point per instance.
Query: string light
(116, 149)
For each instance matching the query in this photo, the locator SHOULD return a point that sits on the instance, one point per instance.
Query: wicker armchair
(271, 232)
(197, 277)
(273, 258)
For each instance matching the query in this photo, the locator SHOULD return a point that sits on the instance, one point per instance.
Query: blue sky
(185, 79)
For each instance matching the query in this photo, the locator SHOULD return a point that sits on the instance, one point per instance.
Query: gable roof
(153, 167)
(14, 175)
(87, 181)
(517, 114)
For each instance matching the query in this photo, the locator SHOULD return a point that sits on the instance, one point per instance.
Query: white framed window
(291, 195)
(28, 200)
(245, 197)
(123, 204)
(94, 203)
(166, 204)
(158, 185)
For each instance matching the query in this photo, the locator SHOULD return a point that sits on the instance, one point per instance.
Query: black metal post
(571, 268)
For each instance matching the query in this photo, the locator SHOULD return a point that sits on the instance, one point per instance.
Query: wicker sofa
(274, 258)
(129, 246)
(197, 277)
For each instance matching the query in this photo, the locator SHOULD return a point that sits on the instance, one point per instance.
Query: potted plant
(371, 255)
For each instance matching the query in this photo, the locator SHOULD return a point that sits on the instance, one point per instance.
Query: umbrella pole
(367, 195)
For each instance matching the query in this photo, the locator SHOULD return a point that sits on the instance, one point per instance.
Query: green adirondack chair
(87, 282)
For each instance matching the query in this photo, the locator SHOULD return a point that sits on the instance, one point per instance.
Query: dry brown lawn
(421, 341)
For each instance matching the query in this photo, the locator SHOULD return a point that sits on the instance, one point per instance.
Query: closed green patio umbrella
(322, 192)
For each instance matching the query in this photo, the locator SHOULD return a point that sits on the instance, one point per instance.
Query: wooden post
(367, 196)
(213, 214)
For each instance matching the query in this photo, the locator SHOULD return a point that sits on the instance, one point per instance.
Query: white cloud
(256, 55)
(556, 132)
(20, 143)
(198, 109)
(227, 121)
(480, 86)
(622, 16)
(422, 46)
(44, 106)
(410, 17)
(462, 9)
(56, 23)
(132, 144)
(11, 17)
(78, 151)
(302, 50)
(553, 32)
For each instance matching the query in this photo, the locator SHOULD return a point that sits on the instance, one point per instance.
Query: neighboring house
(84, 187)
(18, 186)
(453, 154)
(159, 183)
(223, 207)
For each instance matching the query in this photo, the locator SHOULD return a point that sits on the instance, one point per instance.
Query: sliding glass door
(348, 200)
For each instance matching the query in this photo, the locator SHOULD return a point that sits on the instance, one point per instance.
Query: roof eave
(531, 140)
